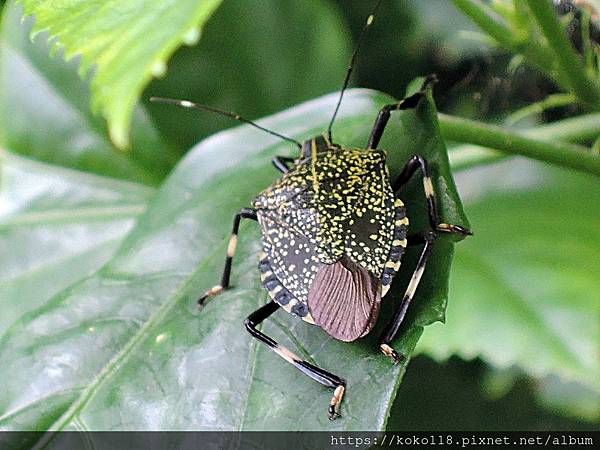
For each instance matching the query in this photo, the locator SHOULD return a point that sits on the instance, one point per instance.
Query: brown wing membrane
(344, 299)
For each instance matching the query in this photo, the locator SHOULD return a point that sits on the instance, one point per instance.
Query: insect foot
(457, 229)
(334, 406)
(391, 353)
(210, 293)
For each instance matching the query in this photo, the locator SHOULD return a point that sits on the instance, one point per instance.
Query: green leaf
(297, 53)
(124, 43)
(127, 349)
(555, 394)
(56, 226)
(524, 289)
(45, 115)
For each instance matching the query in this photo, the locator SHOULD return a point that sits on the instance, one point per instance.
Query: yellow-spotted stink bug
(333, 233)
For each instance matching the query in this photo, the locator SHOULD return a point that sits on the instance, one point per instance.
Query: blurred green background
(265, 58)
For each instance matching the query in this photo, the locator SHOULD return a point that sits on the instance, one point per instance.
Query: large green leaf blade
(524, 289)
(127, 348)
(57, 226)
(126, 44)
(45, 114)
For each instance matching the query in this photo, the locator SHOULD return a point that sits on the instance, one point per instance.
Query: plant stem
(585, 128)
(586, 39)
(466, 156)
(559, 153)
(587, 89)
(596, 147)
(552, 101)
(580, 129)
(486, 19)
(536, 53)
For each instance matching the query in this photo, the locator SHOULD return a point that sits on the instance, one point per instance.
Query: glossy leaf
(45, 114)
(125, 44)
(57, 226)
(127, 349)
(524, 288)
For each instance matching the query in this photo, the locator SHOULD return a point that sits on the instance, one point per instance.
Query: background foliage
(99, 251)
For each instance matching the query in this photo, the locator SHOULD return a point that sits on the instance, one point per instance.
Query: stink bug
(333, 233)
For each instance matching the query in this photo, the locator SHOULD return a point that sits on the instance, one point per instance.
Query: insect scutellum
(334, 231)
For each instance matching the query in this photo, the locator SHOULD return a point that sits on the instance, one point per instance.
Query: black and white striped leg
(409, 170)
(392, 328)
(245, 213)
(427, 238)
(281, 163)
(410, 102)
(314, 372)
(384, 116)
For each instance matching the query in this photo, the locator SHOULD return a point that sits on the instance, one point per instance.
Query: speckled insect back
(333, 232)
(336, 203)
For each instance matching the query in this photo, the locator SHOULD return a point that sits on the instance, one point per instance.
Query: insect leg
(245, 213)
(427, 238)
(281, 163)
(392, 328)
(314, 372)
(384, 116)
(409, 170)
(414, 239)
(385, 112)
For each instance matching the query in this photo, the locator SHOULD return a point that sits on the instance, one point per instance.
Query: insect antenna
(188, 104)
(351, 66)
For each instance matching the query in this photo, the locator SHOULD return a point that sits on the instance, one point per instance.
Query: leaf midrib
(9, 414)
(117, 361)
